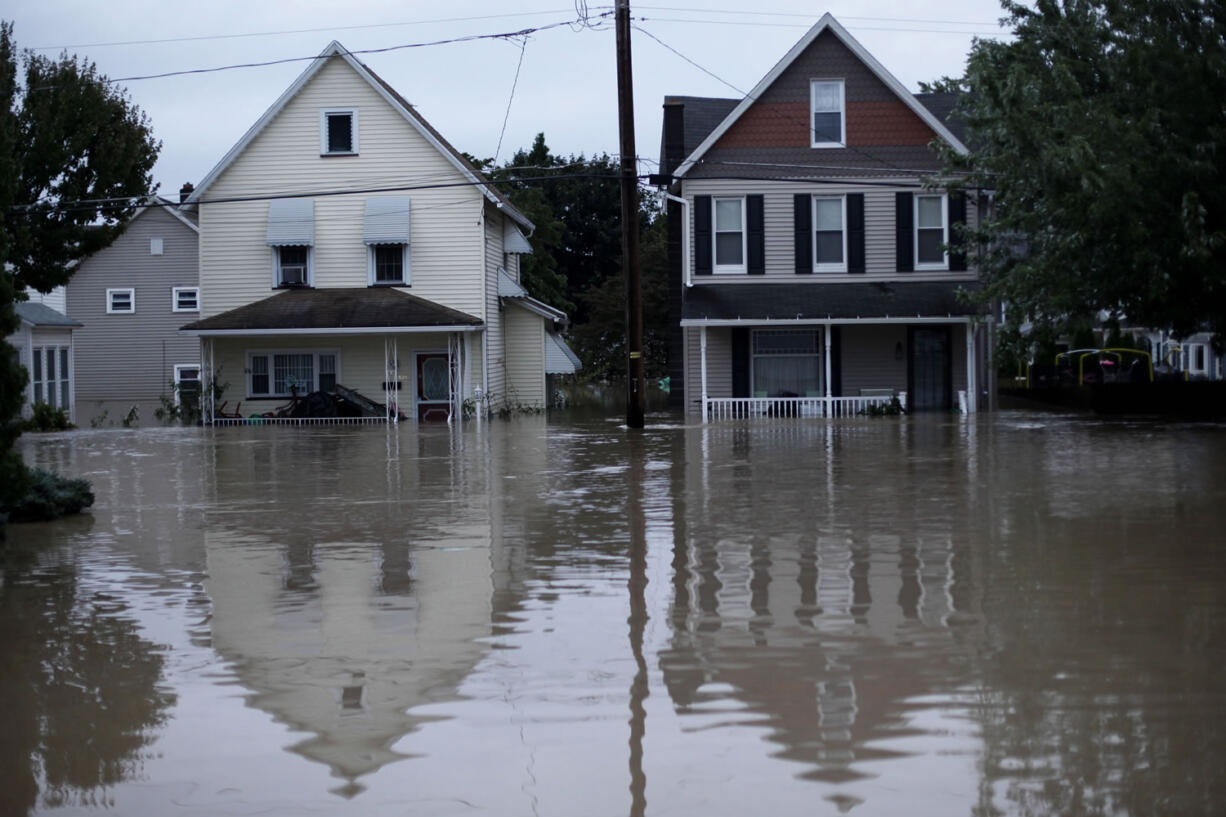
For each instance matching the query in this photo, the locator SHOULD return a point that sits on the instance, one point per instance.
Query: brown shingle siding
(885, 123)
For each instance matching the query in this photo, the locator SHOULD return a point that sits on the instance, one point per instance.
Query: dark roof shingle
(814, 301)
(350, 308)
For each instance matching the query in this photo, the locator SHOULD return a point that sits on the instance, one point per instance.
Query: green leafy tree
(75, 153)
(1100, 128)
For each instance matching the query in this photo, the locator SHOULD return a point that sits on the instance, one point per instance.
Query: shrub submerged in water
(49, 496)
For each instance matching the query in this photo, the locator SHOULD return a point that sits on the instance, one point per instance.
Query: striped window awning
(387, 220)
(291, 222)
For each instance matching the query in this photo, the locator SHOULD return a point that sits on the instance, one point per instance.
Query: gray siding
(123, 360)
(868, 358)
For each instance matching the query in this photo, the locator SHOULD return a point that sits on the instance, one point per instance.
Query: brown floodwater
(1019, 614)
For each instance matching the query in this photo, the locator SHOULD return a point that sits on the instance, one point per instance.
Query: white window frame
(729, 269)
(110, 301)
(324, 113)
(828, 267)
(813, 142)
(1194, 350)
(943, 264)
(270, 355)
(55, 392)
(276, 266)
(178, 378)
(177, 292)
(405, 277)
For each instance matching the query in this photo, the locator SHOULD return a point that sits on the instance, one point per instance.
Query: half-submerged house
(814, 273)
(345, 245)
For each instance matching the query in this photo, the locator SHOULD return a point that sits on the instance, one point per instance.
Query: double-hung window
(291, 236)
(827, 113)
(729, 235)
(829, 234)
(298, 371)
(120, 301)
(50, 377)
(931, 231)
(338, 132)
(386, 233)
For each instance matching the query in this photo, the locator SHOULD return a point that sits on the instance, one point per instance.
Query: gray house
(131, 298)
(815, 274)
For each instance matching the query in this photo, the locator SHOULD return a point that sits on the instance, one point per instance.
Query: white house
(345, 242)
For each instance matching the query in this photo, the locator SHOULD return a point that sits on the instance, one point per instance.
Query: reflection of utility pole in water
(637, 585)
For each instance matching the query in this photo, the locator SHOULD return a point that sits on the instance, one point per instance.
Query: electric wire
(523, 46)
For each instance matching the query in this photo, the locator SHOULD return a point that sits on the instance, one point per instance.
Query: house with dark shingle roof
(345, 242)
(814, 272)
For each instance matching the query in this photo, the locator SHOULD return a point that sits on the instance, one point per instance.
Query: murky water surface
(1024, 614)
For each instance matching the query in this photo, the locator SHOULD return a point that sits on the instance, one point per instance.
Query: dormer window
(338, 132)
(827, 113)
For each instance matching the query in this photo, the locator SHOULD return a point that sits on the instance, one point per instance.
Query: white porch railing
(731, 408)
(257, 420)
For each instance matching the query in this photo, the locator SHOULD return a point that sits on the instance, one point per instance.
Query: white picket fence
(731, 408)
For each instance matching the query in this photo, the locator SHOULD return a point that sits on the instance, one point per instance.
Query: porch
(733, 408)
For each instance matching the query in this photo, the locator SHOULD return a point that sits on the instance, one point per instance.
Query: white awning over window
(387, 220)
(513, 241)
(291, 222)
(559, 359)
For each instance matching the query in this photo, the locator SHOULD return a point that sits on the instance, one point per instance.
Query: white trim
(729, 269)
(842, 141)
(178, 368)
(174, 299)
(335, 49)
(827, 22)
(827, 267)
(538, 307)
(406, 278)
(110, 293)
(276, 266)
(324, 113)
(758, 322)
(917, 265)
(356, 330)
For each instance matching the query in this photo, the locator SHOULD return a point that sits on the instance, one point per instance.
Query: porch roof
(36, 314)
(812, 301)
(364, 310)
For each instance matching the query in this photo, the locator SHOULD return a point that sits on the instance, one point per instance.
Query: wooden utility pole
(635, 381)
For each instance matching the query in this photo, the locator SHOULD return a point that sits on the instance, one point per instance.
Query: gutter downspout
(685, 236)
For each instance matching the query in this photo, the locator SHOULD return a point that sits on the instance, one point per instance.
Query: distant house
(345, 242)
(45, 347)
(131, 298)
(813, 272)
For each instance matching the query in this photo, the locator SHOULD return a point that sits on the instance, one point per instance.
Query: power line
(700, 21)
(809, 15)
(523, 46)
(243, 35)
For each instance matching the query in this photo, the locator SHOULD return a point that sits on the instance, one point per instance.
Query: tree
(1100, 129)
(75, 156)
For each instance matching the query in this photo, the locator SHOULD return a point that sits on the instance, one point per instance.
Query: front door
(433, 387)
(930, 369)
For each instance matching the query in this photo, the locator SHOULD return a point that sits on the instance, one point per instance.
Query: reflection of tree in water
(80, 688)
(1104, 696)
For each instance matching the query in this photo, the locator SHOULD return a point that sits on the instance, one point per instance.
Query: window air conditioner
(293, 275)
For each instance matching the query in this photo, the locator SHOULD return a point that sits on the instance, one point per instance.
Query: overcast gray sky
(567, 86)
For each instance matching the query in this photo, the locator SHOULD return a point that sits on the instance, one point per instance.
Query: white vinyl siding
(779, 227)
(494, 343)
(525, 352)
(447, 250)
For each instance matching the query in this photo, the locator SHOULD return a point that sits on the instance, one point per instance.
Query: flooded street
(1021, 614)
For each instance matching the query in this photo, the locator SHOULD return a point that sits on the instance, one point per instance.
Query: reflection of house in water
(342, 622)
(825, 620)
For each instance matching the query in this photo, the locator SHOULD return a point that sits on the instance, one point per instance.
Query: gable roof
(170, 207)
(398, 103)
(826, 23)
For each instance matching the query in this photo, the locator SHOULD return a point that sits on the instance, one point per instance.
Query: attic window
(338, 132)
(828, 113)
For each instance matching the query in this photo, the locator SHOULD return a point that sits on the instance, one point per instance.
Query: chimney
(185, 191)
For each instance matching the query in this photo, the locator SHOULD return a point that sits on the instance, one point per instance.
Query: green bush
(50, 496)
(48, 418)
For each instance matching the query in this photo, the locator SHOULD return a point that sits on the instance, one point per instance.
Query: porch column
(387, 372)
(206, 392)
(396, 378)
(702, 345)
(972, 379)
(829, 345)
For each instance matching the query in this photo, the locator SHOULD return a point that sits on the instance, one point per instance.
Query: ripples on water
(1021, 614)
